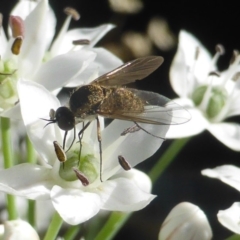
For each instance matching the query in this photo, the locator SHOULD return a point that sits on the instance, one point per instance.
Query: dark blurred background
(155, 25)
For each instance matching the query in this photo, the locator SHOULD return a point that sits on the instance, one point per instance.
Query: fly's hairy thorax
(120, 100)
(86, 100)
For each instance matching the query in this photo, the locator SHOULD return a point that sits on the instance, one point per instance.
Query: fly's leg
(100, 145)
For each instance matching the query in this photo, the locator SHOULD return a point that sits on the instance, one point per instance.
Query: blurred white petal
(227, 133)
(229, 218)
(228, 174)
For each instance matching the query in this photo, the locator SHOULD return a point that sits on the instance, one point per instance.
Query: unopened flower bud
(19, 229)
(185, 221)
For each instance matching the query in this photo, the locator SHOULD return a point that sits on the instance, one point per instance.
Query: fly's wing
(130, 71)
(158, 110)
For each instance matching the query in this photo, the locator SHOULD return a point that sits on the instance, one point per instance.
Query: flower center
(88, 164)
(211, 101)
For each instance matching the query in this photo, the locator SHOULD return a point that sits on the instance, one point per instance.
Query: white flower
(209, 96)
(58, 69)
(120, 190)
(230, 175)
(17, 230)
(185, 221)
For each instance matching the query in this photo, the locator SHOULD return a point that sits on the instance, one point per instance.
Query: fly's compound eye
(65, 118)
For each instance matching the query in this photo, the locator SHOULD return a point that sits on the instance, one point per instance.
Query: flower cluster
(38, 72)
(90, 172)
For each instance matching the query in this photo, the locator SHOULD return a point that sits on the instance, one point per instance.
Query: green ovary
(87, 166)
(216, 101)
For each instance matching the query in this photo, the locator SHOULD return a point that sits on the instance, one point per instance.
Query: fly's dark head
(63, 117)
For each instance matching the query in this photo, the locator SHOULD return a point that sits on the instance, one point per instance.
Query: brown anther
(197, 51)
(234, 56)
(236, 76)
(214, 73)
(124, 164)
(72, 12)
(220, 49)
(16, 46)
(83, 179)
(81, 42)
(60, 153)
(17, 26)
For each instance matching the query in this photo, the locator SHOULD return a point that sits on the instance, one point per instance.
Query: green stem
(116, 219)
(8, 162)
(32, 212)
(71, 232)
(167, 158)
(112, 226)
(31, 158)
(54, 227)
(234, 237)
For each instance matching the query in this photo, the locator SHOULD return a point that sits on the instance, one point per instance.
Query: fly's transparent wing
(161, 110)
(130, 71)
(158, 110)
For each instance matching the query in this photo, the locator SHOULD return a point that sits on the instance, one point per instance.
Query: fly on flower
(106, 97)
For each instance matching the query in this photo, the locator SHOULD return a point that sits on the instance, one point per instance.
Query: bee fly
(106, 97)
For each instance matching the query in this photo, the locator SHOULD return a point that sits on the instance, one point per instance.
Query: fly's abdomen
(120, 100)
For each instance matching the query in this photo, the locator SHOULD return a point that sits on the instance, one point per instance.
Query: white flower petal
(195, 125)
(134, 147)
(229, 218)
(104, 62)
(61, 69)
(91, 34)
(36, 103)
(228, 174)
(141, 179)
(74, 205)
(26, 180)
(57, 47)
(234, 103)
(183, 62)
(23, 8)
(227, 133)
(122, 194)
(39, 29)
